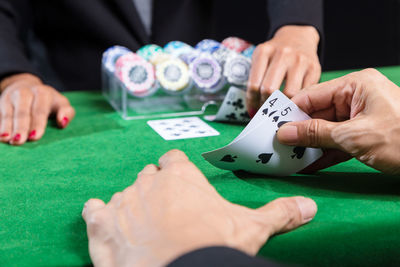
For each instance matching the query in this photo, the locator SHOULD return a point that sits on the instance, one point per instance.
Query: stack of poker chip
(248, 52)
(205, 70)
(111, 55)
(237, 69)
(177, 66)
(237, 65)
(136, 74)
(149, 51)
(235, 44)
(171, 72)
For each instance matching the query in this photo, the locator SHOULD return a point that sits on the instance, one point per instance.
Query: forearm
(13, 23)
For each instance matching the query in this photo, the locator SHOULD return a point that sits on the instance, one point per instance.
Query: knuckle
(253, 87)
(371, 71)
(312, 132)
(282, 205)
(41, 112)
(285, 51)
(301, 59)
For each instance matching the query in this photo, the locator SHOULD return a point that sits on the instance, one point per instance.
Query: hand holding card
(257, 150)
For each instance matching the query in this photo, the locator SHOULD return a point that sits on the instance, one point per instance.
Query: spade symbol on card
(264, 158)
(282, 123)
(275, 119)
(272, 113)
(265, 111)
(298, 152)
(228, 158)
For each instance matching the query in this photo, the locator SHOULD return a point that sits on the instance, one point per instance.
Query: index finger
(320, 96)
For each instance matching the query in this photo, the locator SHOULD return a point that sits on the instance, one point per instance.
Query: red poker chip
(236, 44)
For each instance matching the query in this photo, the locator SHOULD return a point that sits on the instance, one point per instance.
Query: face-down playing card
(258, 150)
(233, 108)
(182, 128)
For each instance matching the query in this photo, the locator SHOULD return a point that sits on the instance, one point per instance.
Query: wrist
(26, 78)
(308, 33)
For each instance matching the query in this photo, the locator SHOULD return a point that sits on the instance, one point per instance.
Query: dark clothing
(220, 257)
(76, 32)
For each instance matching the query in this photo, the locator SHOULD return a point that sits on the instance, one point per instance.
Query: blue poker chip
(248, 52)
(208, 46)
(178, 48)
(111, 55)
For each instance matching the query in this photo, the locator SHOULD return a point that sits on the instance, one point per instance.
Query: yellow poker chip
(173, 74)
(159, 58)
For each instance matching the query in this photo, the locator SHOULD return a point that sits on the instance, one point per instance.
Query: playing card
(233, 108)
(258, 150)
(182, 128)
(268, 111)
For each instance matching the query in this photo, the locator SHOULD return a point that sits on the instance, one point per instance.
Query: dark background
(361, 34)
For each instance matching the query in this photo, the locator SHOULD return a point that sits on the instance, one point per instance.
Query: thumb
(308, 133)
(285, 214)
(64, 111)
(90, 207)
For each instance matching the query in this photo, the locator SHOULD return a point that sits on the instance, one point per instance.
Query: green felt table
(43, 187)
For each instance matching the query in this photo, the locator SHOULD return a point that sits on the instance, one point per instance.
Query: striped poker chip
(148, 51)
(173, 74)
(127, 57)
(178, 48)
(221, 54)
(159, 58)
(205, 71)
(137, 75)
(111, 55)
(189, 57)
(236, 44)
(207, 46)
(248, 52)
(237, 69)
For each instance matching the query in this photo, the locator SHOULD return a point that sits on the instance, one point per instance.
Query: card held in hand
(257, 149)
(233, 108)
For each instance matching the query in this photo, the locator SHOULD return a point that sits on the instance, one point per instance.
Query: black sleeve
(295, 12)
(14, 20)
(220, 256)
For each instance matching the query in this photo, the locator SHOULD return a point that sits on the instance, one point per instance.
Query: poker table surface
(44, 185)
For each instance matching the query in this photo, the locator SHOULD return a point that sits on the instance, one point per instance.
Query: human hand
(172, 209)
(292, 55)
(25, 105)
(357, 115)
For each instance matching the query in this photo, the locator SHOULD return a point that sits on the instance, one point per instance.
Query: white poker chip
(173, 75)
(111, 55)
(159, 58)
(221, 54)
(237, 69)
(138, 76)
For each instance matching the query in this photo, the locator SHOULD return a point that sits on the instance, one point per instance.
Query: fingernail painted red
(252, 112)
(64, 122)
(4, 135)
(17, 137)
(32, 134)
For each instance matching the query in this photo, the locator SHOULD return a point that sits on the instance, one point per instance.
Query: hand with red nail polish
(290, 56)
(25, 106)
(136, 228)
(357, 115)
